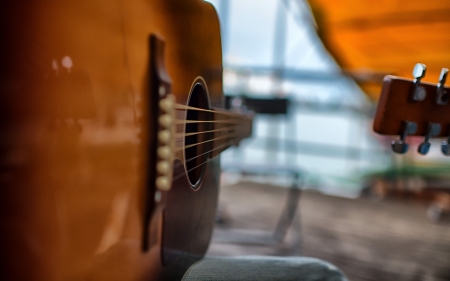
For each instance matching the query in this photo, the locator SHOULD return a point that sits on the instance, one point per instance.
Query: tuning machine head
(442, 97)
(419, 72)
(401, 146)
(445, 146)
(434, 129)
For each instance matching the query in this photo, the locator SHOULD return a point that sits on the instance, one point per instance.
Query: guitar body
(75, 102)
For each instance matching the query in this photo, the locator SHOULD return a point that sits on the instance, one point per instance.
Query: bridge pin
(164, 152)
(163, 183)
(165, 120)
(164, 136)
(163, 167)
(166, 104)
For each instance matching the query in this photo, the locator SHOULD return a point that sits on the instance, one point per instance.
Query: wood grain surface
(396, 106)
(73, 160)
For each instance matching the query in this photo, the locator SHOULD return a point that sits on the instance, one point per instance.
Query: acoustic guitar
(409, 107)
(111, 126)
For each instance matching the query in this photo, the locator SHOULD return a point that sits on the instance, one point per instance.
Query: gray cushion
(263, 268)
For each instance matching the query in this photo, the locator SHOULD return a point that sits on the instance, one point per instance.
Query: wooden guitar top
(76, 127)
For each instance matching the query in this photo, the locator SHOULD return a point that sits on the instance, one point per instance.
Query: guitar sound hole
(199, 144)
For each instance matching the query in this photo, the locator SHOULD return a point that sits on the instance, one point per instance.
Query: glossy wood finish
(73, 160)
(396, 105)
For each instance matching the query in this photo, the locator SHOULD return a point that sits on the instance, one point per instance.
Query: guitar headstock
(408, 107)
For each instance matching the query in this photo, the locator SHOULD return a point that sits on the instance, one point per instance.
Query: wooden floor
(389, 240)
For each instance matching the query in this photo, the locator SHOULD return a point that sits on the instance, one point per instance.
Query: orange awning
(385, 36)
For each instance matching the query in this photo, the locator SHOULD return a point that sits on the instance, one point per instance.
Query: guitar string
(227, 121)
(240, 118)
(178, 135)
(180, 106)
(233, 128)
(206, 141)
(174, 178)
(230, 129)
(211, 150)
(218, 147)
(227, 136)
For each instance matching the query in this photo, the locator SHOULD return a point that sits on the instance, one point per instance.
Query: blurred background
(314, 179)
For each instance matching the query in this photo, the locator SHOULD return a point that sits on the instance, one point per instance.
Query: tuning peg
(442, 96)
(401, 146)
(433, 130)
(418, 73)
(445, 146)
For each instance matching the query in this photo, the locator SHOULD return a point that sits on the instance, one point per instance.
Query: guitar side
(74, 123)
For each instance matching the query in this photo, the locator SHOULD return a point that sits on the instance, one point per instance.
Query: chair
(263, 268)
